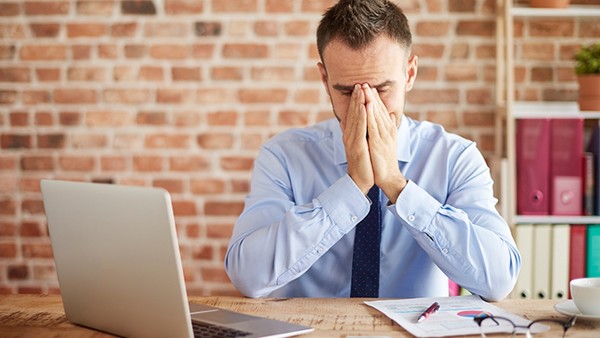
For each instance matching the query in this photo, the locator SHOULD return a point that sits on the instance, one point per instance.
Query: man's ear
(323, 72)
(411, 72)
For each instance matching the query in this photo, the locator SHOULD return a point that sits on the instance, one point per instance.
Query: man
(301, 235)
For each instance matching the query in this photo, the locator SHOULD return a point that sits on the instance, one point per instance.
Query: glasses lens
(556, 328)
(492, 325)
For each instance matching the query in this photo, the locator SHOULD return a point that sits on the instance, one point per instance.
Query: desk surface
(43, 316)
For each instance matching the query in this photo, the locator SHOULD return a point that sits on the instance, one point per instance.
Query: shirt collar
(403, 140)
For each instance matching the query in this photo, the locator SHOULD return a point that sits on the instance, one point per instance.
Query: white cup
(586, 295)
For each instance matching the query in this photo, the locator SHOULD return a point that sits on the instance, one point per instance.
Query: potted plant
(587, 68)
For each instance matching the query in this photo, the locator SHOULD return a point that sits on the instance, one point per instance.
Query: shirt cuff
(346, 211)
(415, 207)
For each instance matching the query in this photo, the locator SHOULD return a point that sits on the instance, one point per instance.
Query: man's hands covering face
(372, 160)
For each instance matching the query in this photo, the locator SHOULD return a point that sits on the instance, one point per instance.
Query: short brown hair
(358, 22)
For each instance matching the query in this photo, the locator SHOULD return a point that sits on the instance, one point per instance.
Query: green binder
(593, 251)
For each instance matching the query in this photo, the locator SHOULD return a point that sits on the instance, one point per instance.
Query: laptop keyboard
(209, 330)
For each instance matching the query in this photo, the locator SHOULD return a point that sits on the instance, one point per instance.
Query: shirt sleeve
(464, 235)
(275, 240)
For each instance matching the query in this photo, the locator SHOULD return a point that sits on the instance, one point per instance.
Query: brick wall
(181, 93)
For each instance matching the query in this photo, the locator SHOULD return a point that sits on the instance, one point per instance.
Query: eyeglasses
(489, 324)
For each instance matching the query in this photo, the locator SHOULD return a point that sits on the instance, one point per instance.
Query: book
(588, 183)
(566, 151)
(577, 251)
(532, 143)
(593, 250)
(594, 148)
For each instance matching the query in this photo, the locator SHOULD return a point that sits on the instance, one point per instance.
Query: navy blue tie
(365, 260)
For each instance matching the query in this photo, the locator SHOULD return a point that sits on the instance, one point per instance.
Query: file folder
(533, 190)
(542, 254)
(524, 239)
(566, 151)
(577, 252)
(593, 251)
(560, 261)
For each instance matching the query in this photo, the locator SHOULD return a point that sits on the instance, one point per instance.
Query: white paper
(455, 316)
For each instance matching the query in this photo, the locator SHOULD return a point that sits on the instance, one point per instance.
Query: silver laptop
(119, 268)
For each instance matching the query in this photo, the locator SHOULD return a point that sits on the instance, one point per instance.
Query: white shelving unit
(508, 110)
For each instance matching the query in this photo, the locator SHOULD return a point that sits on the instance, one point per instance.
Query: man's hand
(383, 131)
(354, 129)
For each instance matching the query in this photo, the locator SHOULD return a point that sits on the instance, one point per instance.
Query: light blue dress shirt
(296, 233)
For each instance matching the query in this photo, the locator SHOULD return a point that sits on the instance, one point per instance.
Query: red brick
(8, 250)
(479, 119)
(47, 74)
(138, 7)
(9, 9)
(19, 119)
(90, 30)
(18, 272)
(203, 51)
(8, 207)
(435, 51)
(222, 118)
(476, 28)
(75, 96)
(186, 74)
(423, 96)
(51, 141)
(236, 163)
(207, 186)
(245, 51)
(589, 28)
(297, 28)
(113, 163)
(240, 186)
(148, 163)
(8, 96)
(125, 29)
(460, 72)
(7, 229)
(166, 29)
(184, 208)
(8, 162)
(481, 96)
(165, 141)
(108, 118)
(128, 96)
(263, 95)
(88, 141)
(7, 52)
(257, 118)
(96, 7)
(292, 118)
(108, 51)
(151, 118)
(461, 6)
(227, 73)
(189, 163)
(555, 28)
(447, 118)
(174, 95)
(77, 163)
(173, 52)
(203, 252)
(229, 6)
(69, 118)
(318, 6)
(266, 28)
(171, 185)
(150, 73)
(36, 96)
(184, 7)
(81, 52)
(279, 6)
(37, 250)
(538, 52)
(229, 208)
(433, 28)
(215, 140)
(43, 52)
(308, 96)
(46, 7)
(219, 231)
(15, 141)
(215, 95)
(47, 30)
(273, 73)
(135, 51)
(98, 74)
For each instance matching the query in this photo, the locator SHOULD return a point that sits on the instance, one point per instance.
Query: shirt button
(444, 251)
(319, 250)
(353, 218)
(411, 218)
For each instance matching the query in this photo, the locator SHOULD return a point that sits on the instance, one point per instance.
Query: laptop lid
(119, 268)
(117, 258)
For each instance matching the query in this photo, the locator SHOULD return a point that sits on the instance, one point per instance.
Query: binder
(542, 254)
(594, 148)
(566, 151)
(577, 251)
(559, 281)
(524, 239)
(588, 168)
(532, 142)
(593, 250)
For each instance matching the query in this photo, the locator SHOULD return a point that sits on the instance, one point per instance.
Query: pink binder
(533, 175)
(566, 151)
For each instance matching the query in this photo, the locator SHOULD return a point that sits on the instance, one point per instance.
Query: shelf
(547, 109)
(571, 11)
(556, 219)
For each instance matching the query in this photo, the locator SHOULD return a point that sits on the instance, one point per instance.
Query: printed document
(454, 317)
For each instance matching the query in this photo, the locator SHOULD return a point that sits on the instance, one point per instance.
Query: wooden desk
(43, 316)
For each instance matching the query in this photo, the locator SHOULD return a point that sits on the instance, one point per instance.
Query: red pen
(430, 310)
